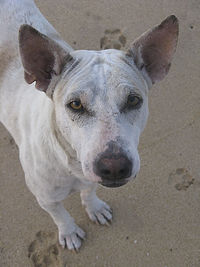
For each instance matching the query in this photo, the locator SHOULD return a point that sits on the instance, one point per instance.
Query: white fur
(53, 171)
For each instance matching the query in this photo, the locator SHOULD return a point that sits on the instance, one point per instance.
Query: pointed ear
(42, 58)
(154, 50)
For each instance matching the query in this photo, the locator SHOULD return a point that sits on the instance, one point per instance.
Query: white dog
(76, 116)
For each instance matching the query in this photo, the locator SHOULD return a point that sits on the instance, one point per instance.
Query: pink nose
(114, 167)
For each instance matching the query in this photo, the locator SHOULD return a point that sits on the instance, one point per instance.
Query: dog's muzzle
(113, 168)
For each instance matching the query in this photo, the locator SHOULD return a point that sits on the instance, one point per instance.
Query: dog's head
(100, 97)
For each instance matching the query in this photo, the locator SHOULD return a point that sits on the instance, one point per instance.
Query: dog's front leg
(70, 235)
(97, 210)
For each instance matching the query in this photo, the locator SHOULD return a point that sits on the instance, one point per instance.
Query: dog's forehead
(110, 62)
(102, 55)
(102, 73)
(102, 64)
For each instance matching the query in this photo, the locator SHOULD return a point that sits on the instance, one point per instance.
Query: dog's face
(101, 109)
(100, 98)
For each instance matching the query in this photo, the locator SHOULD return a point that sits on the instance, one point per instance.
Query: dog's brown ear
(42, 58)
(154, 49)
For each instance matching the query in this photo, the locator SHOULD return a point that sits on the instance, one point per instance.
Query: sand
(156, 218)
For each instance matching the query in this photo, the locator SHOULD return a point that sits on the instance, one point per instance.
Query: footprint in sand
(44, 251)
(113, 39)
(181, 178)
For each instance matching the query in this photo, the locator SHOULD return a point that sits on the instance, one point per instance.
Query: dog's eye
(76, 105)
(134, 101)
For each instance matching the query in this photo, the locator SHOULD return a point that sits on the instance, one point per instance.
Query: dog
(76, 116)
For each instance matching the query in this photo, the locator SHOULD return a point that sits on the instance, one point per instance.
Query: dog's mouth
(113, 184)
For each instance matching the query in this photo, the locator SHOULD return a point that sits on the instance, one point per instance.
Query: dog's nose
(115, 167)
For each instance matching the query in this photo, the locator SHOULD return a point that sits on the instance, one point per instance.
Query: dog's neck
(61, 140)
(64, 144)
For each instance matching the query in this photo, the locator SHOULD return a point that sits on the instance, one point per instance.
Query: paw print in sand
(44, 251)
(113, 39)
(181, 178)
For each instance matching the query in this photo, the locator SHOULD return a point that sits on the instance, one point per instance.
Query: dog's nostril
(122, 171)
(106, 172)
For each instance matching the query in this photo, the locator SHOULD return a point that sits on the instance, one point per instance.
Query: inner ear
(154, 49)
(42, 58)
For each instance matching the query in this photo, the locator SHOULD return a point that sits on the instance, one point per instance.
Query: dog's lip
(113, 184)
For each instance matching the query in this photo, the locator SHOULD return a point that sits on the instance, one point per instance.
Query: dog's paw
(73, 240)
(99, 212)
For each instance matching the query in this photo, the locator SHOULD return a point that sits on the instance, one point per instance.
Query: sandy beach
(156, 217)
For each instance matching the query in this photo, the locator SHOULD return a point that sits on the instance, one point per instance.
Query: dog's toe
(72, 241)
(100, 218)
(100, 214)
